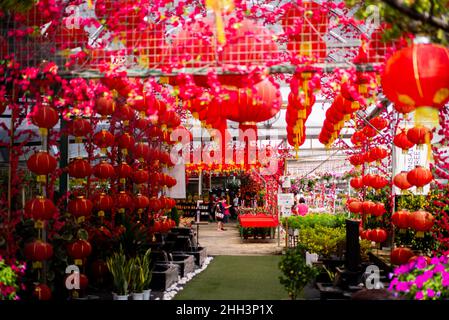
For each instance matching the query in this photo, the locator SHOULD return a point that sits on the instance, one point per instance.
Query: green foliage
(134, 239)
(120, 269)
(412, 17)
(324, 241)
(9, 280)
(365, 248)
(315, 219)
(296, 273)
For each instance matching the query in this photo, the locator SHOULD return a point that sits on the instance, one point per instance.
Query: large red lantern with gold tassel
(79, 250)
(401, 141)
(45, 117)
(418, 77)
(41, 164)
(79, 168)
(40, 208)
(419, 177)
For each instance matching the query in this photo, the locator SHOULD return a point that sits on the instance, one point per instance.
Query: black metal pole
(63, 161)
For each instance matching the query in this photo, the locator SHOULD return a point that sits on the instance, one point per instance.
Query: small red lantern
(142, 151)
(419, 135)
(356, 182)
(141, 202)
(155, 204)
(104, 170)
(105, 105)
(359, 138)
(369, 131)
(38, 251)
(378, 210)
(368, 207)
(123, 171)
(40, 208)
(355, 206)
(41, 163)
(366, 179)
(44, 117)
(401, 219)
(356, 160)
(378, 153)
(125, 142)
(379, 123)
(103, 139)
(123, 201)
(124, 113)
(42, 292)
(400, 256)
(378, 182)
(80, 207)
(79, 168)
(419, 177)
(400, 181)
(140, 176)
(364, 235)
(80, 127)
(103, 202)
(421, 221)
(401, 141)
(378, 235)
(79, 250)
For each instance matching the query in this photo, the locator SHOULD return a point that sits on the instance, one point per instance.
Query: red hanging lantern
(400, 181)
(419, 135)
(103, 202)
(368, 207)
(356, 182)
(367, 178)
(124, 113)
(378, 153)
(42, 163)
(155, 204)
(369, 131)
(421, 221)
(79, 250)
(141, 202)
(378, 182)
(80, 207)
(104, 170)
(42, 292)
(379, 123)
(417, 77)
(103, 139)
(419, 177)
(79, 168)
(40, 208)
(400, 256)
(44, 117)
(378, 235)
(401, 141)
(38, 251)
(378, 210)
(359, 138)
(140, 176)
(401, 219)
(80, 127)
(142, 151)
(123, 171)
(105, 105)
(356, 160)
(123, 201)
(125, 142)
(355, 206)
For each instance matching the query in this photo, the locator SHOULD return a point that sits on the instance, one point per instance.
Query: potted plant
(296, 273)
(120, 270)
(137, 279)
(147, 274)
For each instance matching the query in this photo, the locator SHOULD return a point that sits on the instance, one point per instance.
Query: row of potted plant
(131, 276)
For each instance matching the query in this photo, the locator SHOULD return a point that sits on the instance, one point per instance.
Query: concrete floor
(229, 243)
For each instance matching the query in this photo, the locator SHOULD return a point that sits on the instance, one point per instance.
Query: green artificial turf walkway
(237, 278)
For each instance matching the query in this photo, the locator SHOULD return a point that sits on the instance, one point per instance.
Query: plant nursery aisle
(228, 242)
(237, 278)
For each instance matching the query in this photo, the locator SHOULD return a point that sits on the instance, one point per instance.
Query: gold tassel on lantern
(43, 132)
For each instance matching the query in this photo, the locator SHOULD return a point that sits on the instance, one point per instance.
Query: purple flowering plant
(421, 280)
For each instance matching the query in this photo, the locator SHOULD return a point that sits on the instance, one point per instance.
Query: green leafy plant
(147, 269)
(174, 215)
(315, 219)
(296, 273)
(324, 241)
(9, 280)
(120, 269)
